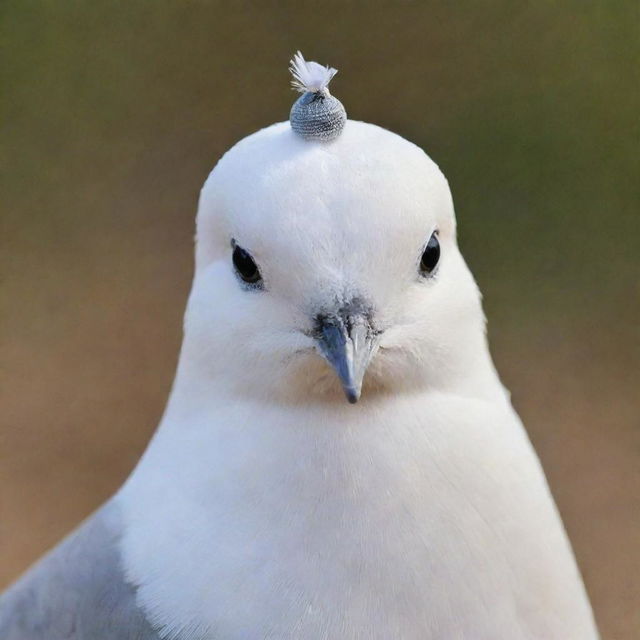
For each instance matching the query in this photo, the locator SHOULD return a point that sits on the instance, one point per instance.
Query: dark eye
(431, 255)
(245, 265)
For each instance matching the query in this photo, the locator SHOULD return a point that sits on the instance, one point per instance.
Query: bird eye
(245, 265)
(431, 255)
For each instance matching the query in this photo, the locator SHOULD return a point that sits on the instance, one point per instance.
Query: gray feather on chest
(78, 591)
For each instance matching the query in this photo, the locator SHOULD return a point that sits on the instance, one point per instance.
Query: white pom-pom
(309, 76)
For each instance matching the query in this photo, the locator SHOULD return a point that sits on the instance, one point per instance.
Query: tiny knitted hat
(316, 115)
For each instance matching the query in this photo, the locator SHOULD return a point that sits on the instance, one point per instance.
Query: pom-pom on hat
(316, 114)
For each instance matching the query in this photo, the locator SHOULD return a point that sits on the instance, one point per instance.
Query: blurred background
(115, 112)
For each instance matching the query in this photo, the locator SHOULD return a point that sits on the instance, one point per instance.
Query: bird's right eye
(430, 255)
(245, 265)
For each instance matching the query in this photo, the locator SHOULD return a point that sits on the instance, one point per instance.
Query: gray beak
(348, 342)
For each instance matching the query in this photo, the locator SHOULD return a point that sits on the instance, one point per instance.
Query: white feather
(310, 76)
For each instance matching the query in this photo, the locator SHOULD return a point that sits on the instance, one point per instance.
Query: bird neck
(206, 417)
(232, 489)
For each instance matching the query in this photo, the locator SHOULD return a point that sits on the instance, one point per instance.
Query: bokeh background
(113, 113)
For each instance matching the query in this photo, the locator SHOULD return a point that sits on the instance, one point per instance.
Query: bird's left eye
(245, 265)
(430, 255)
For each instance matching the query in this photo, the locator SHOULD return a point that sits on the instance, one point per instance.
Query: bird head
(326, 266)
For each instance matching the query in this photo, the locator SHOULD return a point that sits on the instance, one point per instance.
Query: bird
(338, 458)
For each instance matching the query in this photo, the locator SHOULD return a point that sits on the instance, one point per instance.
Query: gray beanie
(316, 114)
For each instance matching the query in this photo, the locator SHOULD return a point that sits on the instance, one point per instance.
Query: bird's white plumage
(309, 75)
(277, 510)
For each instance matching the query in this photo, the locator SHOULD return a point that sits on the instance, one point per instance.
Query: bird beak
(348, 343)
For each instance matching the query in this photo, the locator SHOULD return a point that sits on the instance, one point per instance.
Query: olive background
(112, 115)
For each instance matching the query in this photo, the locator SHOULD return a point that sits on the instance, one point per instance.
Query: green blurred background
(113, 113)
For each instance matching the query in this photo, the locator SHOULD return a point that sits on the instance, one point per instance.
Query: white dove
(266, 506)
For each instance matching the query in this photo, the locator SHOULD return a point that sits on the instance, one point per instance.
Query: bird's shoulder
(77, 591)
